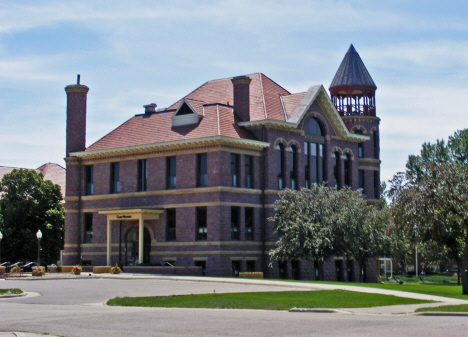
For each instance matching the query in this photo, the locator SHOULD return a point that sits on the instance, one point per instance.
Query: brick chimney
(241, 86)
(76, 117)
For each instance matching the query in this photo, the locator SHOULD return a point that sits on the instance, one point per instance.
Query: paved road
(75, 308)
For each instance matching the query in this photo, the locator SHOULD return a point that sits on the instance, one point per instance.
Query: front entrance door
(132, 245)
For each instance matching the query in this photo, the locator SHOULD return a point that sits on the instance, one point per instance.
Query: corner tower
(352, 89)
(353, 93)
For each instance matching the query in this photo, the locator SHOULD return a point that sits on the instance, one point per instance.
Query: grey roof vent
(150, 108)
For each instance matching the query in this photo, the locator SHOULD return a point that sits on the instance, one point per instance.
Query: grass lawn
(10, 291)
(441, 289)
(284, 300)
(447, 308)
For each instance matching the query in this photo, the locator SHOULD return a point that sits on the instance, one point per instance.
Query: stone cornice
(270, 123)
(216, 189)
(178, 144)
(76, 88)
(369, 160)
(369, 168)
(181, 205)
(359, 118)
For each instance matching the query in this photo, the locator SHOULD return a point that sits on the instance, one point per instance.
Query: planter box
(33, 269)
(2, 270)
(251, 275)
(67, 269)
(51, 269)
(102, 270)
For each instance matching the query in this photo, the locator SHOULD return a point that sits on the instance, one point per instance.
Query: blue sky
(132, 53)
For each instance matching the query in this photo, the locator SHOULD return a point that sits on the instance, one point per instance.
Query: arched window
(280, 165)
(376, 144)
(293, 167)
(347, 170)
(360, 145)
(336, 170)
(313, 151)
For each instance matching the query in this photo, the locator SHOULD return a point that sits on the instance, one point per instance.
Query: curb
(320, 310)
(440, 313)
(14, 295)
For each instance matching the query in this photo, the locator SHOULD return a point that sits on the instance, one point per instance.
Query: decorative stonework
(147, 149)
(369, 160)
(369, 168)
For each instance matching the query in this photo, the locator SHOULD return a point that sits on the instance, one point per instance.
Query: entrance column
(109, 237)
(140, 239)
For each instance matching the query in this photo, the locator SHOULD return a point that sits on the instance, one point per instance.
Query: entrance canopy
(140, 214)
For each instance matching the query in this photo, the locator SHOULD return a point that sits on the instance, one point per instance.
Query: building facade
(194, 184)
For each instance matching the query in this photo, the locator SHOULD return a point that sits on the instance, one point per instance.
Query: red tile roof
(290, 102)
(50, 171)
(55, 173)
(214, 101)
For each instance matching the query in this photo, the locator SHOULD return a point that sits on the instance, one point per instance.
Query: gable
(185, 115)
(318, 94)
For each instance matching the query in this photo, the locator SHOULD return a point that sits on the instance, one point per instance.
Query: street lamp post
(1, 237)
(39, 237)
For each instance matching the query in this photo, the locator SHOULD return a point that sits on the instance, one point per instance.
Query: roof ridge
(217, 114)
(263, 96)
(297, 93)
(262, 74)
(107, 134)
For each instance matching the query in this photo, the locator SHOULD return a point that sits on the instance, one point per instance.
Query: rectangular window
(306, 165)
(235, 223)
(376, 145)
(234, 170)
(248, 171)
(249, 224)
(313, 163)
(280, 165)
(376, 185)
(88, 219)
(336, 170)
(202, 176)
(89, 179)
(236, 268)
(347, 170)
(320, 164)
(292, 167)
(171, 180)
(360, 150)
(201, 223)
(170, 224)
(250, 266)
(202, 265)
(115, 184)
(361, 181)
(142, 174)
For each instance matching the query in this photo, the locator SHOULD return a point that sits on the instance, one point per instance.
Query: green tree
(455, 151)
(315, 224)
(430, 224)
(28, 204)
(434, 212)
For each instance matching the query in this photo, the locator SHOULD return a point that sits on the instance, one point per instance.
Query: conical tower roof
(352, 71)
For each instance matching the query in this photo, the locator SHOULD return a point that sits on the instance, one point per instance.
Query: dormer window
(185, 115)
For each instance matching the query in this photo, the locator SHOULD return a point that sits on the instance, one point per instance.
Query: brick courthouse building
(193, 184)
